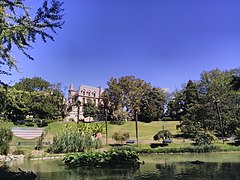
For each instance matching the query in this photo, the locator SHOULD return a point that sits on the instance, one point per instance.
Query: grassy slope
(146, 130)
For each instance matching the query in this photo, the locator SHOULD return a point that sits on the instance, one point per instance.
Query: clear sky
(164, 42)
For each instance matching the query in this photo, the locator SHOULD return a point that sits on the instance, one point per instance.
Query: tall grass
(76, 139)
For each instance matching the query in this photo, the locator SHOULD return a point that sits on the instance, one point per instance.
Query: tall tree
(189, 101)
(20, 29)
(126, 93)
(211, 103)
(152, 105)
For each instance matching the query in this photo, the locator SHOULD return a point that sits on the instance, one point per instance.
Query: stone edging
(46, 158)
(8, 158)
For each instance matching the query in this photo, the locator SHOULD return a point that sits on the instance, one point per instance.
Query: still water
(219, 166)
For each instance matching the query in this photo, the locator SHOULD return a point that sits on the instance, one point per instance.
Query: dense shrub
(5, 139)
(204, 138)
(29, 124)
(189, 149)
(163, 134)
(120, 137)
(107, 158)
(77, 139)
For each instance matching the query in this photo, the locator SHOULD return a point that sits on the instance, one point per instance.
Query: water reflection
(170, 167)
(188, 170)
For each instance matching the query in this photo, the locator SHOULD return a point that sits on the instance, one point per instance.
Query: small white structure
(27, 133)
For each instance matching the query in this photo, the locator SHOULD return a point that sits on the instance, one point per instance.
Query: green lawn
(146, 130)
(146, 133)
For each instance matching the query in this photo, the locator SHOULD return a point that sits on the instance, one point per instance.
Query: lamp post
(136, 124)
(105, 103)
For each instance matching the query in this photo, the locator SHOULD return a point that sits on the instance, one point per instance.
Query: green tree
(120, 115)
(5, 139)
(17, 104)
(32, 97)
(189, 101)
(90, 109)
(3, 98)
(175, 105)
(127, 92)
(20, 28)
(32, 84)
(152, 105)
(210, 104)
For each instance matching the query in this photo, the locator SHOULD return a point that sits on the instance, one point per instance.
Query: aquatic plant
(103, 159)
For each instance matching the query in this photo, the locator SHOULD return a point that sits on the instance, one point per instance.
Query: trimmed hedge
(189, 149)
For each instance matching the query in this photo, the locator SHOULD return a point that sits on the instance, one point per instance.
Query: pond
(219, 166)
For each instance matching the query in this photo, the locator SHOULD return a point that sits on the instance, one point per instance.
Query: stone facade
(81, 96)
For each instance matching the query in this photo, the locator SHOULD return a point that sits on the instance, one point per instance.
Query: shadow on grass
(155, 145)
(116, 145)
(184, 136)
(236, 143)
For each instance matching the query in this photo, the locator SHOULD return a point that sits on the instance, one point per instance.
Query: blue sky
(164, 42)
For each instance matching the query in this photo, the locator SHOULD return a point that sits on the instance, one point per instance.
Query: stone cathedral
(82, 94)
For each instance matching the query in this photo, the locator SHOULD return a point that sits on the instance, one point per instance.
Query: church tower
(71, 93)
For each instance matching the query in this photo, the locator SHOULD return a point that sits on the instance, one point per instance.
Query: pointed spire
(79, 90)
(71, 88)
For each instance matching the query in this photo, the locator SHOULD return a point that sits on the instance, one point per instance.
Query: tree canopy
(20, 28)
(32, 96)
(128, 95)
(212, 103)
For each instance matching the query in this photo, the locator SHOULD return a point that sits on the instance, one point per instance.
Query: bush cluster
(5, 139)
(121, 137)
(189, 149)
(107, 158)
(76, 139)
